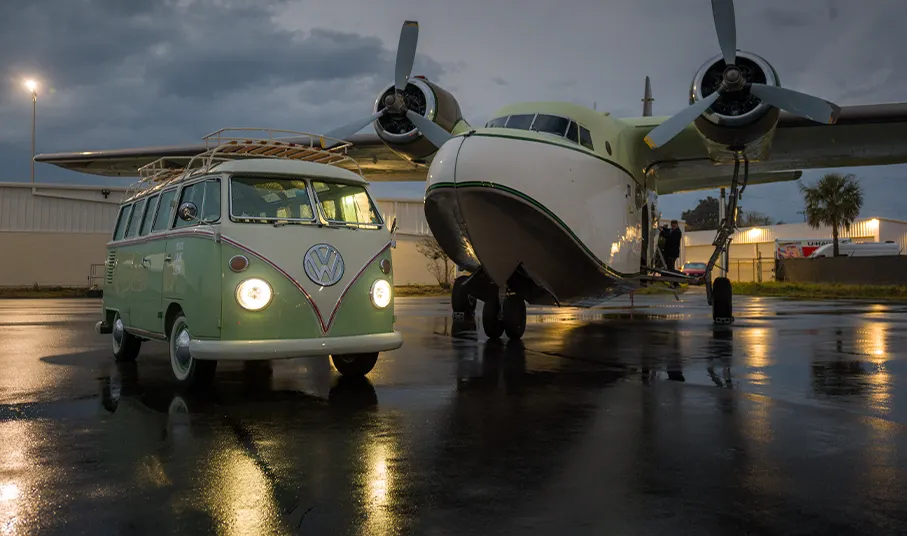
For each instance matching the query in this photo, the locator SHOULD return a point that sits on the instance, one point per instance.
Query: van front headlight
(380, 293)
(253, 294)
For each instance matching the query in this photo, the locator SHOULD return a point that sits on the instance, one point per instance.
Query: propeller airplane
(556, 203)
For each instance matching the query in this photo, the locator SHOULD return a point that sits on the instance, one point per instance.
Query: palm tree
(835, 200)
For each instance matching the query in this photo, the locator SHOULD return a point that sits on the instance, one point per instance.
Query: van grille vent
(111, 262)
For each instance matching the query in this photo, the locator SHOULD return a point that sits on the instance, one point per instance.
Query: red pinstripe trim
(234, 243)
(201, 233)
(353, 280)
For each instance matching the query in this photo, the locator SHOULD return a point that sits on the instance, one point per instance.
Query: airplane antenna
(647, 100)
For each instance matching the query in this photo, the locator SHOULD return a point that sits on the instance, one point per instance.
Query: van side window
(206, 196)
(122, 220)
(149, 215)
(164, 211)
(136, 218)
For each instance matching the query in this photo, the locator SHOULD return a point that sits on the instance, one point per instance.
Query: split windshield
(271, 200)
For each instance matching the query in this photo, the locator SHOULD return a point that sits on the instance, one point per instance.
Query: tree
(835, 201)
(753, 218)
(439, 264)
(702, 218)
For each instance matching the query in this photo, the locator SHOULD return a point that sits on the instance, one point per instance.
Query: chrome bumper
(222, 350)
(103, 328)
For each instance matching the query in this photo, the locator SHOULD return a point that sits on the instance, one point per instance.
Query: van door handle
(168, 258)
(146, 262)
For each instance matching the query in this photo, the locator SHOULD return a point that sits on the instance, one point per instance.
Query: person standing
(672, 238)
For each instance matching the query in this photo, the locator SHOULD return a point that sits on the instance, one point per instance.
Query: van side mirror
(394, 233)
(188, 211)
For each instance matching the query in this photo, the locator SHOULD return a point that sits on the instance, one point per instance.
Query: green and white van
(252, 251)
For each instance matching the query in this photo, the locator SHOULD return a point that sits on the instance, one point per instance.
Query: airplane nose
(443, 165)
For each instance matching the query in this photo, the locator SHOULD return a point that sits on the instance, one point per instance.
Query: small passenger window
(585, 138)
(136, 218)
(122, 220)
(149, 216)
(164, 211)
(194, 193)
(573, 133)
(497, 122)
(522, 121)
(551, 124)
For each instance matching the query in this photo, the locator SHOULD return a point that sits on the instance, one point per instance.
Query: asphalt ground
(648, 420)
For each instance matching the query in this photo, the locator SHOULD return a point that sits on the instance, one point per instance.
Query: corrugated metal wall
(861, 230)
(23, 212)
(410, 215)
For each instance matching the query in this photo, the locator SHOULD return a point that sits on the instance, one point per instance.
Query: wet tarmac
(612, 421)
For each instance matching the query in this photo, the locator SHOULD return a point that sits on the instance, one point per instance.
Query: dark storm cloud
(127, 73)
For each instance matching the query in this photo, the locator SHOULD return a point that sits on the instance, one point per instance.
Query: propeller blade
(406, 53)
(666, 131)
(797, 103)
(344, 132)
(726, 26)
(435, 134)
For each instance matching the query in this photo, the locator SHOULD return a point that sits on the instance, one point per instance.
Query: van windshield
(254, 200)
(346, 203)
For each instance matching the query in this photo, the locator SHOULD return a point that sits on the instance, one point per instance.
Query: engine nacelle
(738, 119)
(425, 98)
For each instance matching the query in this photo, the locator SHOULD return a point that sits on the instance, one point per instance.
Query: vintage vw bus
(252, 251)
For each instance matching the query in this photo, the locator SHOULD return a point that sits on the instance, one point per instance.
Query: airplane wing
(377, 161)
(865, 135)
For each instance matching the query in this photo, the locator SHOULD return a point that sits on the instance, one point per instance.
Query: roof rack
(233, 144)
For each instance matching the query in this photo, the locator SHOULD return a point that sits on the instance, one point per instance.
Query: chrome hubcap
(181, 349)
(118, 333)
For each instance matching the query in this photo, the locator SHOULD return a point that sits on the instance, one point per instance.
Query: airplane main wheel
(722, 298)
(492, 325)
(514, 312)
(460, 300)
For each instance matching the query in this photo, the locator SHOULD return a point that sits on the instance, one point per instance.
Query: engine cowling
(425, 98)
(738, 119)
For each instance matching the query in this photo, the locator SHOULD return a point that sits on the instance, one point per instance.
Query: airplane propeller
(791, 101)
(395, 103)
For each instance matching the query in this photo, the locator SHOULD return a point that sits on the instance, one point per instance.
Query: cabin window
(551, 124)
(266, 200)
(122, 221)
(136, 219)
(521, 121)
(346, 203)
(498, 122)
(164, 212)
(573, 132)
(149, 215)
(585, 138)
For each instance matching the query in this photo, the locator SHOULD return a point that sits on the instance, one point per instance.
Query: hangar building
(62, 231)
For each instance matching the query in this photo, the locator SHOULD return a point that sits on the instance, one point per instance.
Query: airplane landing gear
(509, 318)
(720, 294)
(461, 301)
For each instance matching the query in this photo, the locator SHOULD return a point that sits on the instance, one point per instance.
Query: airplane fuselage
(521, 203)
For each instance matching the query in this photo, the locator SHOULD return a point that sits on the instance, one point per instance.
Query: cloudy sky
(118, 73)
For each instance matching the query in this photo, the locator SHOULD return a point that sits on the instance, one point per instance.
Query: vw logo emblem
(323, 264)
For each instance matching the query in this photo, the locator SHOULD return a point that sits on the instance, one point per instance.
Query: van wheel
(187, 370)
(125, 345)
(355, 364)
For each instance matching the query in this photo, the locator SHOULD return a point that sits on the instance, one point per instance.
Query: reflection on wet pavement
(599, 422)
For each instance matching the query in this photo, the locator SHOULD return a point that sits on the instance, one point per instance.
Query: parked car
(694, 269)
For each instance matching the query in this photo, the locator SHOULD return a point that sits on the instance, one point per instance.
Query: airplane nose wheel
(509, 318)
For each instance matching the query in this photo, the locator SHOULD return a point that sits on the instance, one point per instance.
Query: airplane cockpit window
(573, 132)
(551, 124)
(585, 138)
(522, 121)
(497, 122)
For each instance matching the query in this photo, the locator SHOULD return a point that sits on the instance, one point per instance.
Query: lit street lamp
(33, 87)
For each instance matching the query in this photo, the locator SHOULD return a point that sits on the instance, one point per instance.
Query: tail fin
(647, 100)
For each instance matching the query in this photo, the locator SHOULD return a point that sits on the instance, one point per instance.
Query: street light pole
(34, 115)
